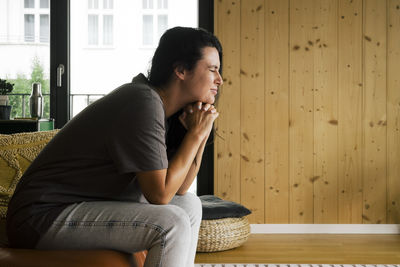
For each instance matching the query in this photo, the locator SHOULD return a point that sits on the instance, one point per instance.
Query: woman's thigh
(123, 226)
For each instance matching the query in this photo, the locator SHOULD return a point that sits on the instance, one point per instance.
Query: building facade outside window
(36, 21)
(100, 23)
(154, 20)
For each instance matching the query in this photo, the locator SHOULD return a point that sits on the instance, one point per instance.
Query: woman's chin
(210, 100)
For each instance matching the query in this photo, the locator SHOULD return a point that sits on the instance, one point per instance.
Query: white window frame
(36, 12)
(155, 12)
(100, 12)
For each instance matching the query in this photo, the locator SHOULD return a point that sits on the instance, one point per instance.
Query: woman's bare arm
(160, 186)
(193, 171)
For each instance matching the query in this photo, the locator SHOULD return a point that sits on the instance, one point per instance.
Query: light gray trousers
(168, 232)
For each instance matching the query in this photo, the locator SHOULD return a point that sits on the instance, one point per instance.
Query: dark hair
(179, 46)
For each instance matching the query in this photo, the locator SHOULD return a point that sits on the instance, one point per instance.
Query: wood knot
(245, 158)
(333, 122)
(313, 179)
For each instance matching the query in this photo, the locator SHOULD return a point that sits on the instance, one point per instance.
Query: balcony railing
(77, 103)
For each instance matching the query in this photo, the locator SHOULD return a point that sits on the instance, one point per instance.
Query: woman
(116, 176)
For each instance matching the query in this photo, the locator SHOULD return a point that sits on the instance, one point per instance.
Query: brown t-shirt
(93, 158)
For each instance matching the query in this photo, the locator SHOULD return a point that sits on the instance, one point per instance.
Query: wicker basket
(222, 234)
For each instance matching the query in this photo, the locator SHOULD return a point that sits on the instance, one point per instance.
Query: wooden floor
(311, 248)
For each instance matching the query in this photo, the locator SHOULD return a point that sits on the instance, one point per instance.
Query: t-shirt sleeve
(137, 138)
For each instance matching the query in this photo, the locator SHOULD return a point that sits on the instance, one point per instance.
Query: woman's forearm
(181, 163)
(194, 169)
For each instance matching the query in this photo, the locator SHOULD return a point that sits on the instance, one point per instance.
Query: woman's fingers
(188, 109)
(183, 115)
(206, 107)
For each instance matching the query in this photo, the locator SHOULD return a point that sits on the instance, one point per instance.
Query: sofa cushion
(17, 151)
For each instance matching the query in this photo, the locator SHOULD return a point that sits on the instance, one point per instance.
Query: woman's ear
(179, 72)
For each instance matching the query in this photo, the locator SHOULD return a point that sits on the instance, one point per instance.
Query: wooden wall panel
(301, 129)
(309, 130)
(227, 138)
(277, 111)
(374, 110)
(252, 108)
(350, 111)
(393, 112)
(325, 110)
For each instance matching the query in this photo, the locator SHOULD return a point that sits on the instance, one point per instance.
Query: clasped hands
(199, 117)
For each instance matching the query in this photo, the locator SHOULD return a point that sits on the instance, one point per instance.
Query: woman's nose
(219, 79)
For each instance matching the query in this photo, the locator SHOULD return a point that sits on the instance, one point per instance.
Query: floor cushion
(224, 225)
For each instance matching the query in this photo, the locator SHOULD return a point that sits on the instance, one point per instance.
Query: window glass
(118, 43)
(29, 4)
(148, 4)
(162, 4)
(93, 29)
(108, 29)
(25, 48)
(108, 4)
(44, 28)
(44, 3)
(29, 28)
(93, 4)
(147, 29)
(162, 24)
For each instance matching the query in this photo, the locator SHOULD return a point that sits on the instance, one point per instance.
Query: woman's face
(203, 81)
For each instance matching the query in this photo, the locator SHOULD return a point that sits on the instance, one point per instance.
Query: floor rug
(292, 265)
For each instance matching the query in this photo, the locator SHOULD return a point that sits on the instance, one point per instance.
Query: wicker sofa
(17, 151)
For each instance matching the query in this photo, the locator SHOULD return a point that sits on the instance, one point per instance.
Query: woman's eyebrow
(214, 66)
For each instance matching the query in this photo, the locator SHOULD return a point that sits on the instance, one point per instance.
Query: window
(107, 29)
(162, 4)
(29, 4)
(108, 4)
(44, 28)
(29, 27)
(147, 29)
(36, 21)
(100, 23)
(147, 4)
(25, 47)
(93, 4)
(44, 3)
(93, 29)
(162, 24)
(155, 21)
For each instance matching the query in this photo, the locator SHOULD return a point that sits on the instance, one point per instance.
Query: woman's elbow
(158, 199)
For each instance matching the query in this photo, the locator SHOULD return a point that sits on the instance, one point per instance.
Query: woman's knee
(191, 204)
